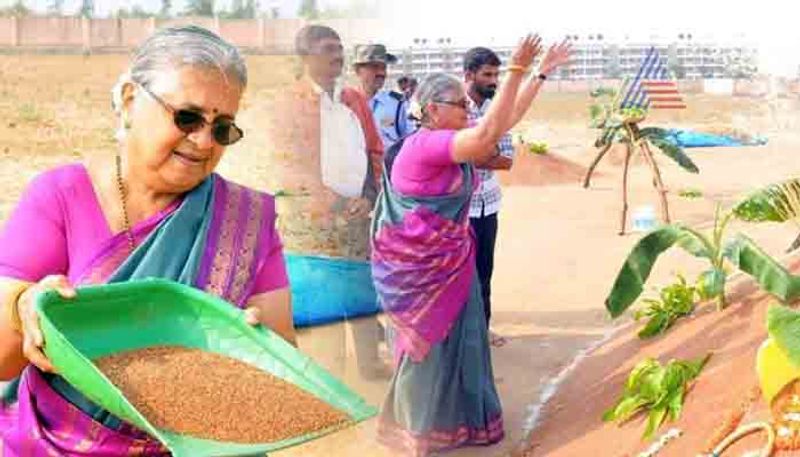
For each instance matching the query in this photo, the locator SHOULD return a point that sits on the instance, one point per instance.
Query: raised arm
(476, 144)
(556, 56)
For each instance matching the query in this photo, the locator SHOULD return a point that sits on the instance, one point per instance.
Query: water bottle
(644, 219)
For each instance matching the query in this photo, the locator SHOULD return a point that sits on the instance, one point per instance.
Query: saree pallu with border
(216, 240)
(442, 395)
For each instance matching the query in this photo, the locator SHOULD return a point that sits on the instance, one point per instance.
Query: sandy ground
(571, 424)
(557, 255)
(557, 251)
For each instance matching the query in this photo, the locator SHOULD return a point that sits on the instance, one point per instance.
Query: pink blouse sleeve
(33, 241)
(272, 275)
(437, 146)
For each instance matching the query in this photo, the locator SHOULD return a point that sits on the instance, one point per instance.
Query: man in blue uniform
(389, 108)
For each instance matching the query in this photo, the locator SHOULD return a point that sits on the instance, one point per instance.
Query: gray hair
(192, 46)
(433, 87)
(176, 47)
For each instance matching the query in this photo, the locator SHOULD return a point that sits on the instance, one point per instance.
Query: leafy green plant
(675, 301)
(690, 193)
(779, 202)
(738, 251)
(658, 390)
(539, 147)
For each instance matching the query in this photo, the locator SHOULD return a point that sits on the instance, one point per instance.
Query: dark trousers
(486, 234)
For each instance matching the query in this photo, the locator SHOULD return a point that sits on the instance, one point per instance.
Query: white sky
(773, 26)
(770, 25)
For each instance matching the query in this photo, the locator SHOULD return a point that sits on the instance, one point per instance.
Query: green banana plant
(738, 251)
(619, 125)
(779, 202)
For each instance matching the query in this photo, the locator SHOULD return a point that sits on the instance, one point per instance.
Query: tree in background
(309, 10)
(199, 8)
(166, 7)
(135, 12)
(17, 9)
(87, 8)
(241, 9)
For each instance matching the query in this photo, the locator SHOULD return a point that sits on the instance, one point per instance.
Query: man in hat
(389, 108)
(328, 154)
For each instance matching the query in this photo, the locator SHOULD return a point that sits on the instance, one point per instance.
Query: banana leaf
(777, 202)
(675, 153)
(783, 326)
(629, 283)
(758, 207)
(768, 273)
(711, 283)
(693, 243)
(654, 133)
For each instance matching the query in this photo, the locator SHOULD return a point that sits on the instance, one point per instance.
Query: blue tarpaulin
(326, 289)
(692, 139)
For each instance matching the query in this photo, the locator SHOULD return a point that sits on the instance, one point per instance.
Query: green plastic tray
(107, 319)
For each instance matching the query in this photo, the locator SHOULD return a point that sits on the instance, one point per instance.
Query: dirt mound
(541, 170)
(571, 422)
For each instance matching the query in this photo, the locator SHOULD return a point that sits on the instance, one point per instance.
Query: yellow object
(518, 68)
(774, 369)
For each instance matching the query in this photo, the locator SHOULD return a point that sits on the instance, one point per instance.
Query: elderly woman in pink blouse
(153, 209)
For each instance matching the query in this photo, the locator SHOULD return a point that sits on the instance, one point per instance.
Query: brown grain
(212, 396)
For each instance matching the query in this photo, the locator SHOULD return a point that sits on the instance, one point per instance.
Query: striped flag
(652, 87)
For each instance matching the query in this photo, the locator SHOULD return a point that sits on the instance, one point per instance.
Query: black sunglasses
(463, 104)
(223, 129)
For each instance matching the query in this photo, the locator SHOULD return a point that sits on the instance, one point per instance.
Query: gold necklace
(123, 196)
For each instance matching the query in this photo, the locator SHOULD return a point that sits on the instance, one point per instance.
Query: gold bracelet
(517, 68)
(13, 306)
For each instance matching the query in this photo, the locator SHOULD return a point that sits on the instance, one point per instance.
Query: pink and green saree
(219, 238)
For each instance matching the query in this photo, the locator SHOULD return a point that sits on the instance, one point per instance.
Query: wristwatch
(542, 76)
